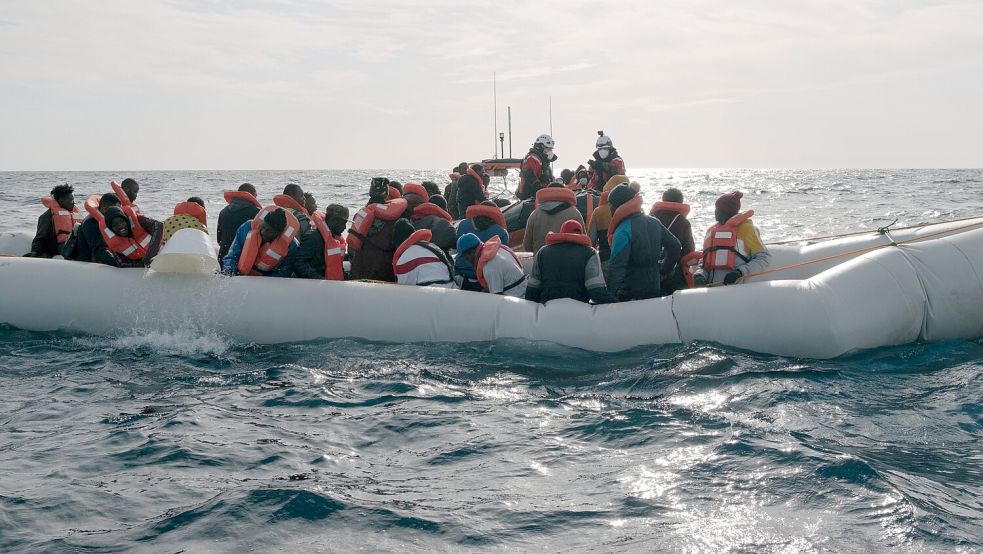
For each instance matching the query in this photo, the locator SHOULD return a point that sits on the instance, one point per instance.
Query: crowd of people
(591, 237)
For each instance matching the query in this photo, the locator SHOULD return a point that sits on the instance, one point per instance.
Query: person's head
(64, 195)
(117, 222)
(336, 218)
(431, 187)
(482, 222)
(402, 230)
(294, 191)
(479, 169)
(673, 195)
(274, 223)
(379, 189)
(544, 145)
(413, 200)
(396, 185)
(439, 201)
(309, 203)
(556, 185)
(621, 194)
(604, 145)
(246, 187)
(197, 200)
(572, 226)
(461, 168)
(467, 246)
(565, 175)
(727, 206)
(108, 200)
(131, 187)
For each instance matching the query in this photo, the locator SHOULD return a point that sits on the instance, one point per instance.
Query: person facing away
(567, 267)
(293, 200)
(243, 206)
(189, 214)
(471, 188)
(424, 214)
(555, 205)
(536, 171)
(600, 220)
(370, 239)
(115, 235)
(321, 254)
(450, 191)
(732, 248)
(605, 163)
(672, 212)
(418, 261)
(497, 269)
(484, 223)
(262, 246)
(638, 243)
(310, 203)
(56, 223)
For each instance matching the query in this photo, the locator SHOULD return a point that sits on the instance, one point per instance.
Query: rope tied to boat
(878, 230)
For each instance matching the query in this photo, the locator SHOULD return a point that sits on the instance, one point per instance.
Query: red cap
(572, 226)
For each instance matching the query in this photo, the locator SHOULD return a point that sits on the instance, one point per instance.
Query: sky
(307, 84)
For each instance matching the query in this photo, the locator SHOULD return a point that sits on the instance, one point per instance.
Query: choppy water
(164, 442)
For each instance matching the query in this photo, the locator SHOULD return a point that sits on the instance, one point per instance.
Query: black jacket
(308, 258)
(567, 270)
(45, 243)
(229, 219)
(91, 247)
(634, 271)
(469, 192)
(374, 260)
(444, 234)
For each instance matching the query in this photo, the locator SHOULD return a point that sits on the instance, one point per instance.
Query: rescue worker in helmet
(606, 162)
(536, 171)
(732, 248)
(56, 224)
(262, 246)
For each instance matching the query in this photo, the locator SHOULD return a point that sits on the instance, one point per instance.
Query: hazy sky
(157, 84)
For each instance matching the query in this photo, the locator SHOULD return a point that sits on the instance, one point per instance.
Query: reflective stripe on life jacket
(677, 207)
(193, 209)
(260, 257)
(64, 221)
(417, 189)
(624, 211)
(721, 248)
(334, 251)
(288, 202)
(555, 194)
(490, 212)
(487, 252)
(575, 238)
(133, 247)
(364, 218)
(231, 195)
(426, 209)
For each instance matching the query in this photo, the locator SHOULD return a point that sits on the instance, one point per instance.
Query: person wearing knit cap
(597, 227)
(378, 190)
(547, 218)
(638, 243)
(567, 267)
(309, 262)
(502, 274)
(723, 261)
(273, 225)
(421, 263)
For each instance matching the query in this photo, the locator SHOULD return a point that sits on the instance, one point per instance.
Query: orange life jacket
(364, 218)
(690, 263)
(124, 199)
(421, 235)
(604, 198)
(490, 212)
(394, 193)
(481, 182)
(193, 209)
(530, 161)
(260, 257)
(63, 220)
(231, 195)
(625, 210)
(334, 251)
(419, 190)
(576, 238)
(555, 194)
(678, 207)
(720, 245)
(133, 247)
(425, 209)
(288, 202)
(486, 253)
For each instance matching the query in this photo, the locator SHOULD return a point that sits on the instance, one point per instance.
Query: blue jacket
(230, 262)
(634, 270)
(467, 226)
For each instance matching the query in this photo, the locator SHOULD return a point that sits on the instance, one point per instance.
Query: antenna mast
(495, 100)
(551, 116)
(510, 133)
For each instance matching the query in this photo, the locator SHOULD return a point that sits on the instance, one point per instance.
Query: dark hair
(308, 195)
(556, 185)
(489, 203)
(293, 190)
(431, 187)
(396, 185)
(197, 200)
(439, 201)
(62, 191)
(566, 174)
(109, 199)
(672, 195)
(246, 187)
(461, 168)
(129, 182)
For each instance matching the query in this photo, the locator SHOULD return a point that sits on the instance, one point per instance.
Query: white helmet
(603, 141)
(545, 140)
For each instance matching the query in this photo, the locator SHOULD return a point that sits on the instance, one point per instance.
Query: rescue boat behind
(928, 287)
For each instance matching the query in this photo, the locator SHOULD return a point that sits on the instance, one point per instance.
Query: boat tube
(926, 290)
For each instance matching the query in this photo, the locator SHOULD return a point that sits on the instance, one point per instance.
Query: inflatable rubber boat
(836, 297)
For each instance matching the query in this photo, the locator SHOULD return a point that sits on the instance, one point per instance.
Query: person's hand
(732, 277)
(699, 280)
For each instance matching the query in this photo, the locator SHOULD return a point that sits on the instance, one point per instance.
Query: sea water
(171, 441)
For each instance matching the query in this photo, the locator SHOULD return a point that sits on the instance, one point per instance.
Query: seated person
(484, 221)
(187, 215)
(116, 235)
(567, 267)
(672, 212)
(418, 261)
(370, 239)
(243, 206)
(262, 246)
(56, 224)
(600, 220)
(732, 248)
(497, 269)
(322, 250)
(554, 205)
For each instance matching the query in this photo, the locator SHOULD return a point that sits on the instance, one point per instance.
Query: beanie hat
(276, 219)
(621, 194)
(467, 242)
(379, 187)
(572, 226)
(402, 231)
(730, 203)
(615, 181)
